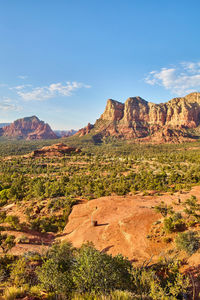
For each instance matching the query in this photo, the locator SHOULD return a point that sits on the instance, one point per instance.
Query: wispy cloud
(7, 104)
(20, 87)
(50, 91)
(22, 77)
(181, 79)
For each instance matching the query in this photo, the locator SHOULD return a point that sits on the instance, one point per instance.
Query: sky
(62, 59)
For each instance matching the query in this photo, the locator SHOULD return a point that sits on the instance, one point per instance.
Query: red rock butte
(29, 128)
(174, 121)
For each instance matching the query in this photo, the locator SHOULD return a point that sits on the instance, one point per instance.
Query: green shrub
(160, 281)
(2, 216)
(13, 292)
(191, 223)
(191, 206)
(174, 223)
(6, 262)
(163, 209)
(6, 242)
(49, 224)
(13, 222)
(23, 272)
(177, 216)
(4, 197)
(188, 241)
(55, 273)
(167, 240)
(168, 225)
(114, 295)
(99, 272)
(180, 225)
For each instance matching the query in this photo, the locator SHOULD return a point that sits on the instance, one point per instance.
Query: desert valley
(128, 185)
(99, 150)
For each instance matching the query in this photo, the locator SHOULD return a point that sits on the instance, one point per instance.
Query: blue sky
(62, 59)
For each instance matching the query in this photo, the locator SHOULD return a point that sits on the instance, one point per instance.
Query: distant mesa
(59, 149)
(176, 121)
(29, 128)
(65, 133)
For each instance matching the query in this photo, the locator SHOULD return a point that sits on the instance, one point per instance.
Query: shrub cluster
(71, 273)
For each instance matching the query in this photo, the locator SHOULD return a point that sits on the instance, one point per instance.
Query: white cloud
(182, 79)
(22, 77)
(50, 91)
(191, 67)
(7, 104)
(20, 87)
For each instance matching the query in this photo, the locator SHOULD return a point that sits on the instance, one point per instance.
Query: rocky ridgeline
(174, 121)
(30, 128)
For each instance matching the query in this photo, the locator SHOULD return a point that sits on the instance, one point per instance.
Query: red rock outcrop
(85, 130)
(30, 128)
(54, 150)
(174, 121)
(123, 223)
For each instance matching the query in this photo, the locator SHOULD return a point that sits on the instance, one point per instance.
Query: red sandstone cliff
(174, 121)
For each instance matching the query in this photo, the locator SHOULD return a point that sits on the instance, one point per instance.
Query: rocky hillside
(175, 121)
(30, 128)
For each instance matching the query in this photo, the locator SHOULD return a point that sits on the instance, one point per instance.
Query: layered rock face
(146, 121)
(30, 128)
